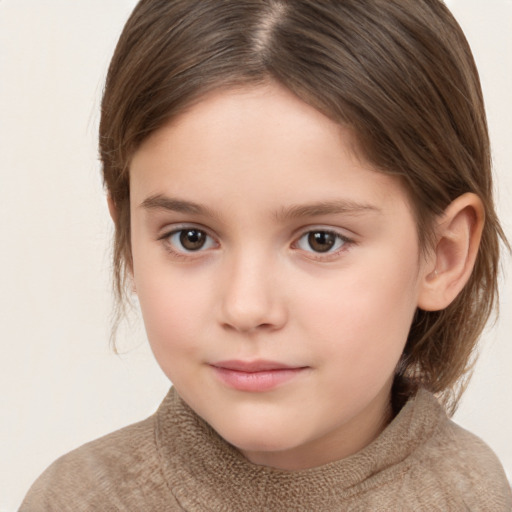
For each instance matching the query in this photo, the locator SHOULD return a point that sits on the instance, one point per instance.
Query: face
(277, 274)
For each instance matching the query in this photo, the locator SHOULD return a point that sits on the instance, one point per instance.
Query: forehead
(262, 143)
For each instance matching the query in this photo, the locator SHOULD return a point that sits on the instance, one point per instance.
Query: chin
(263, 443)
(259, 438)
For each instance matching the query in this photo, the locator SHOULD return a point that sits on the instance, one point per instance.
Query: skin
(253, 162)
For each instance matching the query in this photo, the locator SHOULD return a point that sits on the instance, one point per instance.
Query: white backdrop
(60, 384)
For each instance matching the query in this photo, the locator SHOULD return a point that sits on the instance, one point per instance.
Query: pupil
(192, 239)
(320, 241)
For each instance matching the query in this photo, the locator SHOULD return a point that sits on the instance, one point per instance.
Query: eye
(321, 241)
(190, 240)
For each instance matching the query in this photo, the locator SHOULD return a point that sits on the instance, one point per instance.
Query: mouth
(255, 376)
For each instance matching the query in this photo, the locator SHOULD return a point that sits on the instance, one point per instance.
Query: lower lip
(256, 381)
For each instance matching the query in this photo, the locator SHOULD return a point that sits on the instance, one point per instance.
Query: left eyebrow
(325, 208)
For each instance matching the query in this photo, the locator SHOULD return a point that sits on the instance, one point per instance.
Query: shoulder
(114, 472)
(455, 462)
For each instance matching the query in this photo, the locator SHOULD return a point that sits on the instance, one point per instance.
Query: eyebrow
(161, 202)
(338, 206)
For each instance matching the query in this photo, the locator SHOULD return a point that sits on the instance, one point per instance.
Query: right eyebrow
(162, 202)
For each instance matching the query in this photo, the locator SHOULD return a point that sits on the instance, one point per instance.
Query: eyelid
(170, 228)
(173, 229)
(348, 242)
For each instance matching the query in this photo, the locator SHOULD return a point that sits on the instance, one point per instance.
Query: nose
(252, 300)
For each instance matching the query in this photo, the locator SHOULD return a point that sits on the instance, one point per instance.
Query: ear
(112, 208)
(458, 234)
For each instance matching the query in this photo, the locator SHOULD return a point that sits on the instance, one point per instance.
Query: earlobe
(458, 234)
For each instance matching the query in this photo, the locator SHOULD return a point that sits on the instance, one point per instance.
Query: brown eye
(188, 240)
(192, 239)
(321, 241)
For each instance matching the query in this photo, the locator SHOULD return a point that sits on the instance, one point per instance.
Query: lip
(255, 376)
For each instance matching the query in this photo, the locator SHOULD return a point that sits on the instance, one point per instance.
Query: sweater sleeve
(120, 471)
(486, 486)
(459, 466)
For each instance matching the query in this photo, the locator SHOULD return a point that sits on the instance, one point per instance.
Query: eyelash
(341, 243)
(184, 253)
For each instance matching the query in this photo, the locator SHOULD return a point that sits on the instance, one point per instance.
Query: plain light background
(60, 383)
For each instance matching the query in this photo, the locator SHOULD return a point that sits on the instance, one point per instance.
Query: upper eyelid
(183, 253)
(344, 238)
(328, 256)
(166, 233)
(348, 242)
(169, 230)
(341, 232)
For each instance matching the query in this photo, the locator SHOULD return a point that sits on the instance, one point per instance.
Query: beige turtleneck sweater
(174, 461)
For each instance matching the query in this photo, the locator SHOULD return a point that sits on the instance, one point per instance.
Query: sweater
(174, 461)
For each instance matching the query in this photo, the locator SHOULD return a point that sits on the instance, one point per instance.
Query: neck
(343, 441)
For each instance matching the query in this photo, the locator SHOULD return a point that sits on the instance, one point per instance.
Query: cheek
(173, 310)
(363, 317)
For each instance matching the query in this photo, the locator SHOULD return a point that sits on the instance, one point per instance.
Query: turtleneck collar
(204, 472)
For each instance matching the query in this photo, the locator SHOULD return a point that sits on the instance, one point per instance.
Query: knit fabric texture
(174, 461)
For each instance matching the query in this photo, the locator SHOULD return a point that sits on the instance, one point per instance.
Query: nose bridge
(251, 298)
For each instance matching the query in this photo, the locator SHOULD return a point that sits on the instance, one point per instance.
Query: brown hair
(399, 73)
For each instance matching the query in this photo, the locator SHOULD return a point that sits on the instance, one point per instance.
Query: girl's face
(277, 274)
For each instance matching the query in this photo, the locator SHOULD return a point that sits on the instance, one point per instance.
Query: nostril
(248, 320)
(247, 326)
(250, 300)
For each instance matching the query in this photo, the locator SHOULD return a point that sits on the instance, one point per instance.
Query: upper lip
(259, 365)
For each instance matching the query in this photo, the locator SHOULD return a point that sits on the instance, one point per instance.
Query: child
(303, 204)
